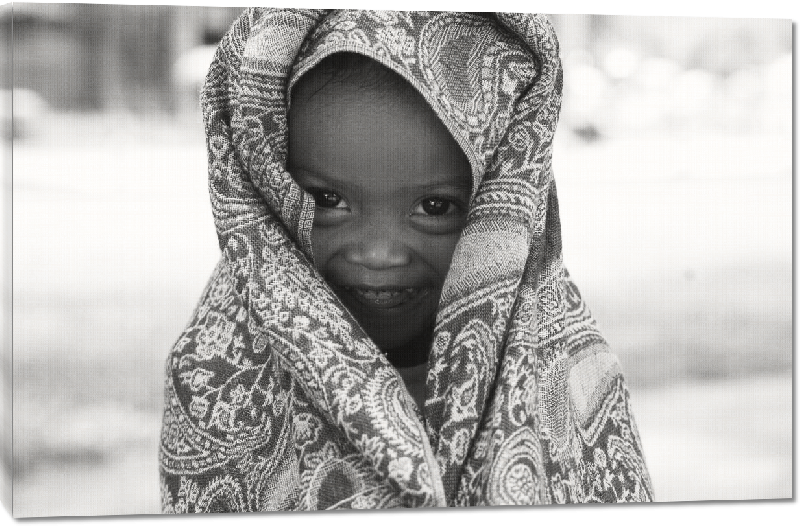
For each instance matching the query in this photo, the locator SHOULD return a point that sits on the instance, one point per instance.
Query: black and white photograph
(271, 259)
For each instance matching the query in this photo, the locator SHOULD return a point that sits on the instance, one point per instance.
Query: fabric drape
(276, 399)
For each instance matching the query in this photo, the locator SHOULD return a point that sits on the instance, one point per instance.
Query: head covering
(276, 399)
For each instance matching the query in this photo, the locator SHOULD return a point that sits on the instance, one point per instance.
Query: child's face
(392, 188)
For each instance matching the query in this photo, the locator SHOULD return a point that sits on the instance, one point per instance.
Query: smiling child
(392, 188)
(391, 323)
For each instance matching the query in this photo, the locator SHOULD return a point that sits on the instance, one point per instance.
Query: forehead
(348, 125)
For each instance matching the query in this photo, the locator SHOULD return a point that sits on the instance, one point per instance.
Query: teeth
(382, 296)
(379, 295)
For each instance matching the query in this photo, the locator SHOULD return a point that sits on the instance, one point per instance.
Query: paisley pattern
(275, 397)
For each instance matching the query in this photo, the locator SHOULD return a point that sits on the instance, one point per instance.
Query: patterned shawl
(276, 399)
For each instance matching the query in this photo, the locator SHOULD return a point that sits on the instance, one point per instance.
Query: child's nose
(378, 248)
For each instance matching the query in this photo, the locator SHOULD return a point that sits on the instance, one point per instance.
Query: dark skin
(392, 189)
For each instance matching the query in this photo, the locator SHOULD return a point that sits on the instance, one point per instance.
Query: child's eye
(435, 206)
(326, 198)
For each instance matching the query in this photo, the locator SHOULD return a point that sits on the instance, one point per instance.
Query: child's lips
(385, 297)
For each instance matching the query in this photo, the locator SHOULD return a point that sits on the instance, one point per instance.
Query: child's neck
(411, 361)
(414, 378)
(413, 353)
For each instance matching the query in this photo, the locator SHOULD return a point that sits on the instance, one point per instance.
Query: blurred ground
(680, 243)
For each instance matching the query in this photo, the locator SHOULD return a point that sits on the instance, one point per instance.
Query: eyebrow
(460, 183)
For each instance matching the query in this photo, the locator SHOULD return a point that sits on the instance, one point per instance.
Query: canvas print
(267, 259)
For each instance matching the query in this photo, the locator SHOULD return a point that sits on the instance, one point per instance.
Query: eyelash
(319, 194)
(450, 206)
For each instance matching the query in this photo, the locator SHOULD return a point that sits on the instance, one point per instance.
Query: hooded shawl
(276, 399)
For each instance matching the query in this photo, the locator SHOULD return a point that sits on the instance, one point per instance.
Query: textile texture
(275, 397)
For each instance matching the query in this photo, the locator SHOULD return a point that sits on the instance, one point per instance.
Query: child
(392, 189)
(390, 323)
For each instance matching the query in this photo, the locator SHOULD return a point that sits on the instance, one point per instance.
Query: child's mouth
(385, 298)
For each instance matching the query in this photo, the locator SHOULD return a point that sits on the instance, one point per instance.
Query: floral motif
(215, 336)
(396, 40)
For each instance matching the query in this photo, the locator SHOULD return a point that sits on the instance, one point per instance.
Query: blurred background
(674, 168)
